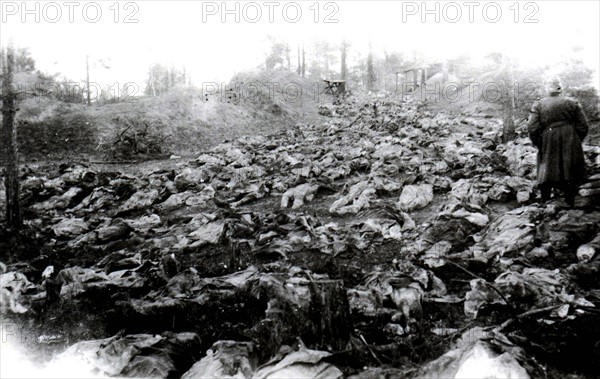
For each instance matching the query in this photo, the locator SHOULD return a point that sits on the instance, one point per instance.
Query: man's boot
(570, 192)
(545, 190)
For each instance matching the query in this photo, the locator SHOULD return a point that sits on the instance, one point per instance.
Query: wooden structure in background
(335, 87)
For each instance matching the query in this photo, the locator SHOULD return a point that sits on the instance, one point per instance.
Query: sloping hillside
(183, 121)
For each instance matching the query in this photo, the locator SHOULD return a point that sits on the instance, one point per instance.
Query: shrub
(137, 139)
(588, 97)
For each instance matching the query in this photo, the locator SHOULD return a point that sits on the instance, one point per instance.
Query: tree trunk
(344, 68)
(299, 69)
(87, 79)
(508, 120)
(9, 136)
(445, 71)
(370, 71)
(303, 62)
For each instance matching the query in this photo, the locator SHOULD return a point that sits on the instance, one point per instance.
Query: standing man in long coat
(556, 126)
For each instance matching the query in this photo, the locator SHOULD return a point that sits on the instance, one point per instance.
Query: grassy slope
(183, 120)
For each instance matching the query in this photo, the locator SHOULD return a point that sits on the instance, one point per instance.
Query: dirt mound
(183, 121)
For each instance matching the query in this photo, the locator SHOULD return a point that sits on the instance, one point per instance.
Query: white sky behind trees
(173, 32)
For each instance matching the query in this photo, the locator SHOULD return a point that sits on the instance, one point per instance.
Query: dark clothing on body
(556, 126)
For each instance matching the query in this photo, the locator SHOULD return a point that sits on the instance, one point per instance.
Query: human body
(557, 125)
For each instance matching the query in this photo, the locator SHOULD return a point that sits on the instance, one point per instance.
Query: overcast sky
(194, 34)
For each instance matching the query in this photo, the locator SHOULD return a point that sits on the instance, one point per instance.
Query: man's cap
(554, 86)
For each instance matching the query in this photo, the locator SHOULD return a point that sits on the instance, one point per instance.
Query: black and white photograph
(300, 189)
